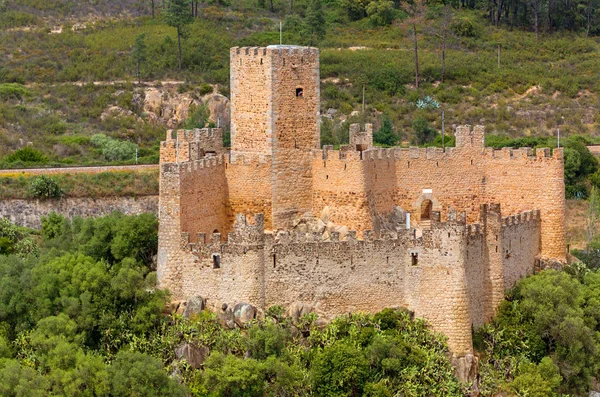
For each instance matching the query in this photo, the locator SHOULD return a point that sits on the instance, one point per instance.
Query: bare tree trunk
(416, 56)
(444, 53)
(139, 74)
(179, 45)
(291, 6)
(152, 9)
(589, 12)
(537, 18)
(549, 15)
(499, 12)
(272, 8)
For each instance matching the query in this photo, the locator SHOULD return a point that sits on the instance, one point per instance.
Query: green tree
(423, 132)
(136, 374)
(541, 380)
(386, 135)
(315, 21)
(177, 15)
(340, 369)
(381, 12)
(139, 52)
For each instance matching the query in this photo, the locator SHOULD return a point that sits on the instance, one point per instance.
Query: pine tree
(138, 53)
(177, 15)
(315, 21)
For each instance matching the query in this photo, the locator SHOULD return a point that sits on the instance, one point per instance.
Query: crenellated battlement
(468, 138)
(289, 50)
(190, 145)
(209, 162)
(525, 217)
(349, 153)
(361, 140)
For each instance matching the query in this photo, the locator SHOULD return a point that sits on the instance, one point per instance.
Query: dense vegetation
(92, 185)
(80, 315)
(546, 336)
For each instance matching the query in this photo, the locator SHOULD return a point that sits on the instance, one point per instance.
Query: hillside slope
(51, 59)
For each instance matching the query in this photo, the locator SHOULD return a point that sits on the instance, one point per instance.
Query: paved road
(85, 170)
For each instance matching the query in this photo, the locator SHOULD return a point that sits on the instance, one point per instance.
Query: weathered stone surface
(29, 212)
(194, 306)
(195, 356)
(244, 313)
(298, 309)
(466, 367)
(226, 317)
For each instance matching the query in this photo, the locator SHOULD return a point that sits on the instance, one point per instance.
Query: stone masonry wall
(251, 100)
(444, 286)
(462, 178)
(203, 190)
(29, 213)
(296, 96)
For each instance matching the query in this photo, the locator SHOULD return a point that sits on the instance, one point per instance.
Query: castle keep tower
(275, 112)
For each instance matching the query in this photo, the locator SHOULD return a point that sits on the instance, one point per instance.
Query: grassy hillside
(47, 96)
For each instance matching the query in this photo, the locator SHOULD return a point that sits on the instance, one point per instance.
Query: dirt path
(75, 170)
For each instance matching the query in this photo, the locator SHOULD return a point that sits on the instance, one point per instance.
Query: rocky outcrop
(299, 309)
(195, 356)
(194, 306)
(167, 106)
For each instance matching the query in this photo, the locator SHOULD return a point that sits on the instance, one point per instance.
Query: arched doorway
(426, 209)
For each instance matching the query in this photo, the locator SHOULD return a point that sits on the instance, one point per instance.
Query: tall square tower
(275, 97)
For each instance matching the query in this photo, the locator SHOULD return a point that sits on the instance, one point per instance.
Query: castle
(276, 219)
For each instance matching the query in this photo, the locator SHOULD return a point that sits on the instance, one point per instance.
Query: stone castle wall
(453, 273)
(448, 284)
(359, 185)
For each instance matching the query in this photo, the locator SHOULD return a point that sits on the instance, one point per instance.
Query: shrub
(423, 132)
(465, 27)
(27, 155)
(113, 149)
(44, 187)
(13, 91)
(205, 89)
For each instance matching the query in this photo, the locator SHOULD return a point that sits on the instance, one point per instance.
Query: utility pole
(443, 137)
(558, 131)
(498, 56)
(363, 104)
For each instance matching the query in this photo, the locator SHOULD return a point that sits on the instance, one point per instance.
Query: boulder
(466, 367)
(299, 309)
(218, 107)
(195, 356)
(194, 306)
(243, 313)
(226, 317)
